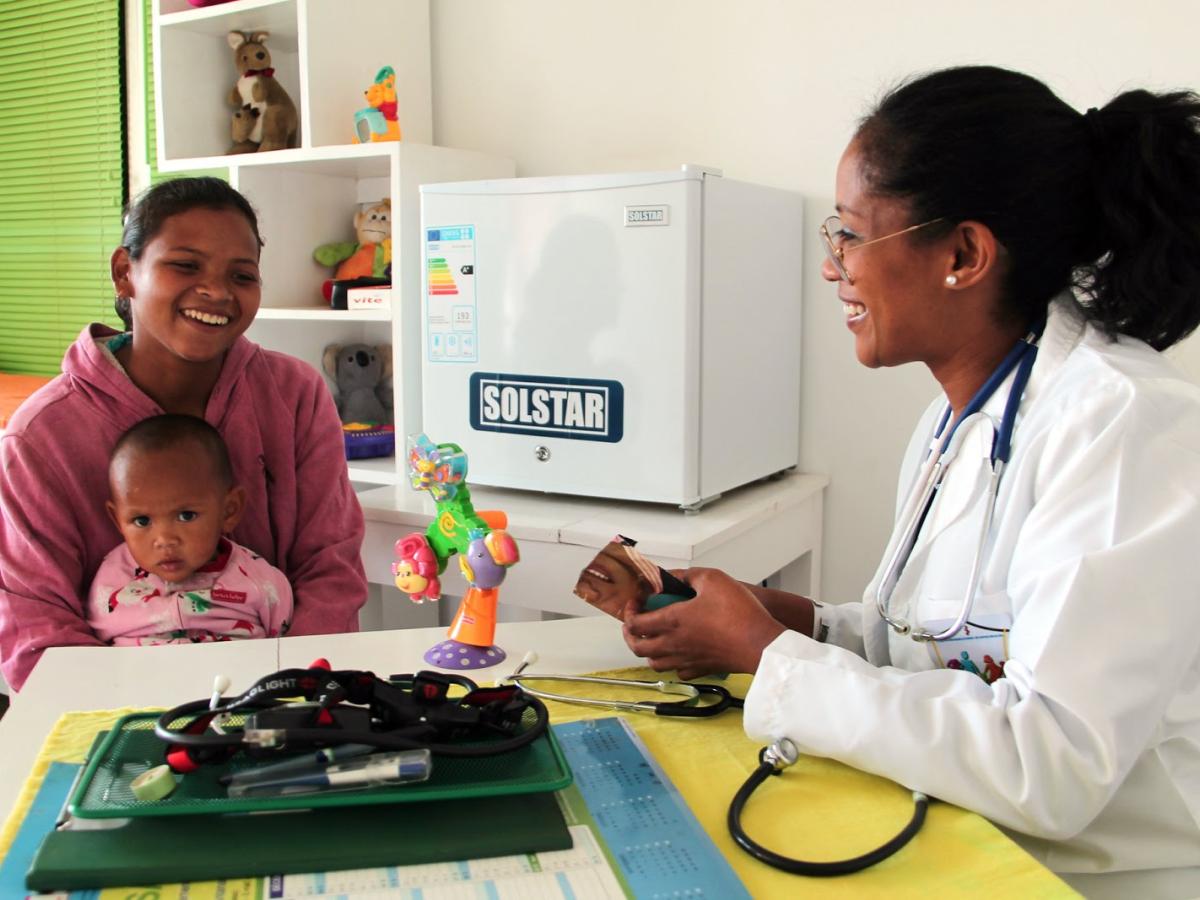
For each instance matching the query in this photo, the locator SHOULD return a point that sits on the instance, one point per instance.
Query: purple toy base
(457, 656)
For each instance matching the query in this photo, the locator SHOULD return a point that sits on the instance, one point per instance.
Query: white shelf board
(375, 470)
(322, 313)
(358, 160)
(276, 16)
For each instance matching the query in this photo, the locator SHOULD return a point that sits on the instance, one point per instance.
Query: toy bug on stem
(485, 551)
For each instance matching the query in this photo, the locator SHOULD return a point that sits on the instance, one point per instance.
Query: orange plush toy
(378, 121)
(370, 256)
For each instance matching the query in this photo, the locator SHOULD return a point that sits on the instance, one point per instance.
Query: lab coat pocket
(981, 646)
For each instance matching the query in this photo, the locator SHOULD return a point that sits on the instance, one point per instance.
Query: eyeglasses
(835, 237)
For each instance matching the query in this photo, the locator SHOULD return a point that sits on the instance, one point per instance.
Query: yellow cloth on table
(816, 810)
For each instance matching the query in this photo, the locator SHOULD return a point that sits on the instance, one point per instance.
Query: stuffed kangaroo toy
(276, 123)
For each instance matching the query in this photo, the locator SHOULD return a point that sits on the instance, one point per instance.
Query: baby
(177, 578)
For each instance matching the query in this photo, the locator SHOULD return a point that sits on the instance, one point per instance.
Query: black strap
(401, 713)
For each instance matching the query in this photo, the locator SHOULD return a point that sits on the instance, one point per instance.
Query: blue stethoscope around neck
(945, 444)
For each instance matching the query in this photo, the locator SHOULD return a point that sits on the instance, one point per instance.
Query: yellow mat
(816, 810)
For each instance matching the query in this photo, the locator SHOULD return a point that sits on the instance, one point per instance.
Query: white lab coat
(1088, 750)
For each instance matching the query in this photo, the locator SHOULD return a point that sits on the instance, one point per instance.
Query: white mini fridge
(632, 336)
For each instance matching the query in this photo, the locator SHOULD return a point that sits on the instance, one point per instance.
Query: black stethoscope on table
(772, 759)
(694, 705)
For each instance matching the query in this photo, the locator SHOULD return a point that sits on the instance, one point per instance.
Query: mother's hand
(722, 629)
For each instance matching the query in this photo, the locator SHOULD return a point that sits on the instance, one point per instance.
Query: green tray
(131, 747)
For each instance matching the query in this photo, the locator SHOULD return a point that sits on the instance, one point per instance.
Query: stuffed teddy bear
(369, 256)
(276, 125)
(361, 373)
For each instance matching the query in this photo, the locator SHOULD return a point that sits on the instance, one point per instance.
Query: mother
(188, 286)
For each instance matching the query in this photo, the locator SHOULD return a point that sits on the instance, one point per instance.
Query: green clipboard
(137, 850)
(206, 847)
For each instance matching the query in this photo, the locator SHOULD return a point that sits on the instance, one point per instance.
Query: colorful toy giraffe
(485, 551)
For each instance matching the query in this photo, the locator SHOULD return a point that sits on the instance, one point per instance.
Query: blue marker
(376, 770)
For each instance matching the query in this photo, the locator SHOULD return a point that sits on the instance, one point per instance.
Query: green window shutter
(62, 174)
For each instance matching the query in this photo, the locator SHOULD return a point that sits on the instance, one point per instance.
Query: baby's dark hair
(169, 430)
(145, 215)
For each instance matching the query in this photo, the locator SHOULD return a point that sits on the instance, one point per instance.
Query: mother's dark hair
(145, 216)
(1107, 201)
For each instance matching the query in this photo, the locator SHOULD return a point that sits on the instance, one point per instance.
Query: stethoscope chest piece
(780, 754)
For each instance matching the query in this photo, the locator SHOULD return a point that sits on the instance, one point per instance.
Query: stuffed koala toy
(362, 374)
(276, 123)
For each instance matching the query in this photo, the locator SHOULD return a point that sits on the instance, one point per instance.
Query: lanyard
(1021, 357)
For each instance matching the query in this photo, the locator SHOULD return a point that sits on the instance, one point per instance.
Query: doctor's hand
(722, 629)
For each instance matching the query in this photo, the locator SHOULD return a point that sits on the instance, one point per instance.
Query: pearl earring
(951, 280)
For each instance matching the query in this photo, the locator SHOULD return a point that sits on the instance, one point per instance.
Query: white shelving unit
(325, 53)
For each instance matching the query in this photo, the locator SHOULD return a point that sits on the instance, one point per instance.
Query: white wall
(770, 91)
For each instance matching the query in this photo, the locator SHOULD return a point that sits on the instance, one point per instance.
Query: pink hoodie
(285, 441)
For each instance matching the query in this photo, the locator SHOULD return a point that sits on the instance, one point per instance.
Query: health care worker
(1030, 645)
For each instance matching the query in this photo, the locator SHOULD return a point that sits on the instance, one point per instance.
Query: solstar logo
(584, 409)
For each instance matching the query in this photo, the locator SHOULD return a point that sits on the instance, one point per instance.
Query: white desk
(85, 678)
(80, 678)
(769, 530)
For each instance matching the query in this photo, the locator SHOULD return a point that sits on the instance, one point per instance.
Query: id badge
(981, 647)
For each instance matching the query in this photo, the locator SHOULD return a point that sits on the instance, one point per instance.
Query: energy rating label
(450, 309)
(441, 282)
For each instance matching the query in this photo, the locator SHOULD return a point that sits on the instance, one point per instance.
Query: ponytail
(1146, 172)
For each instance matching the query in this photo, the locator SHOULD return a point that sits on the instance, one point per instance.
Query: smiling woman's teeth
(853, 309)
(206, 318)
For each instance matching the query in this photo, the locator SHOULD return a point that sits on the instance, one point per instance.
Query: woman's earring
(951, 280)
